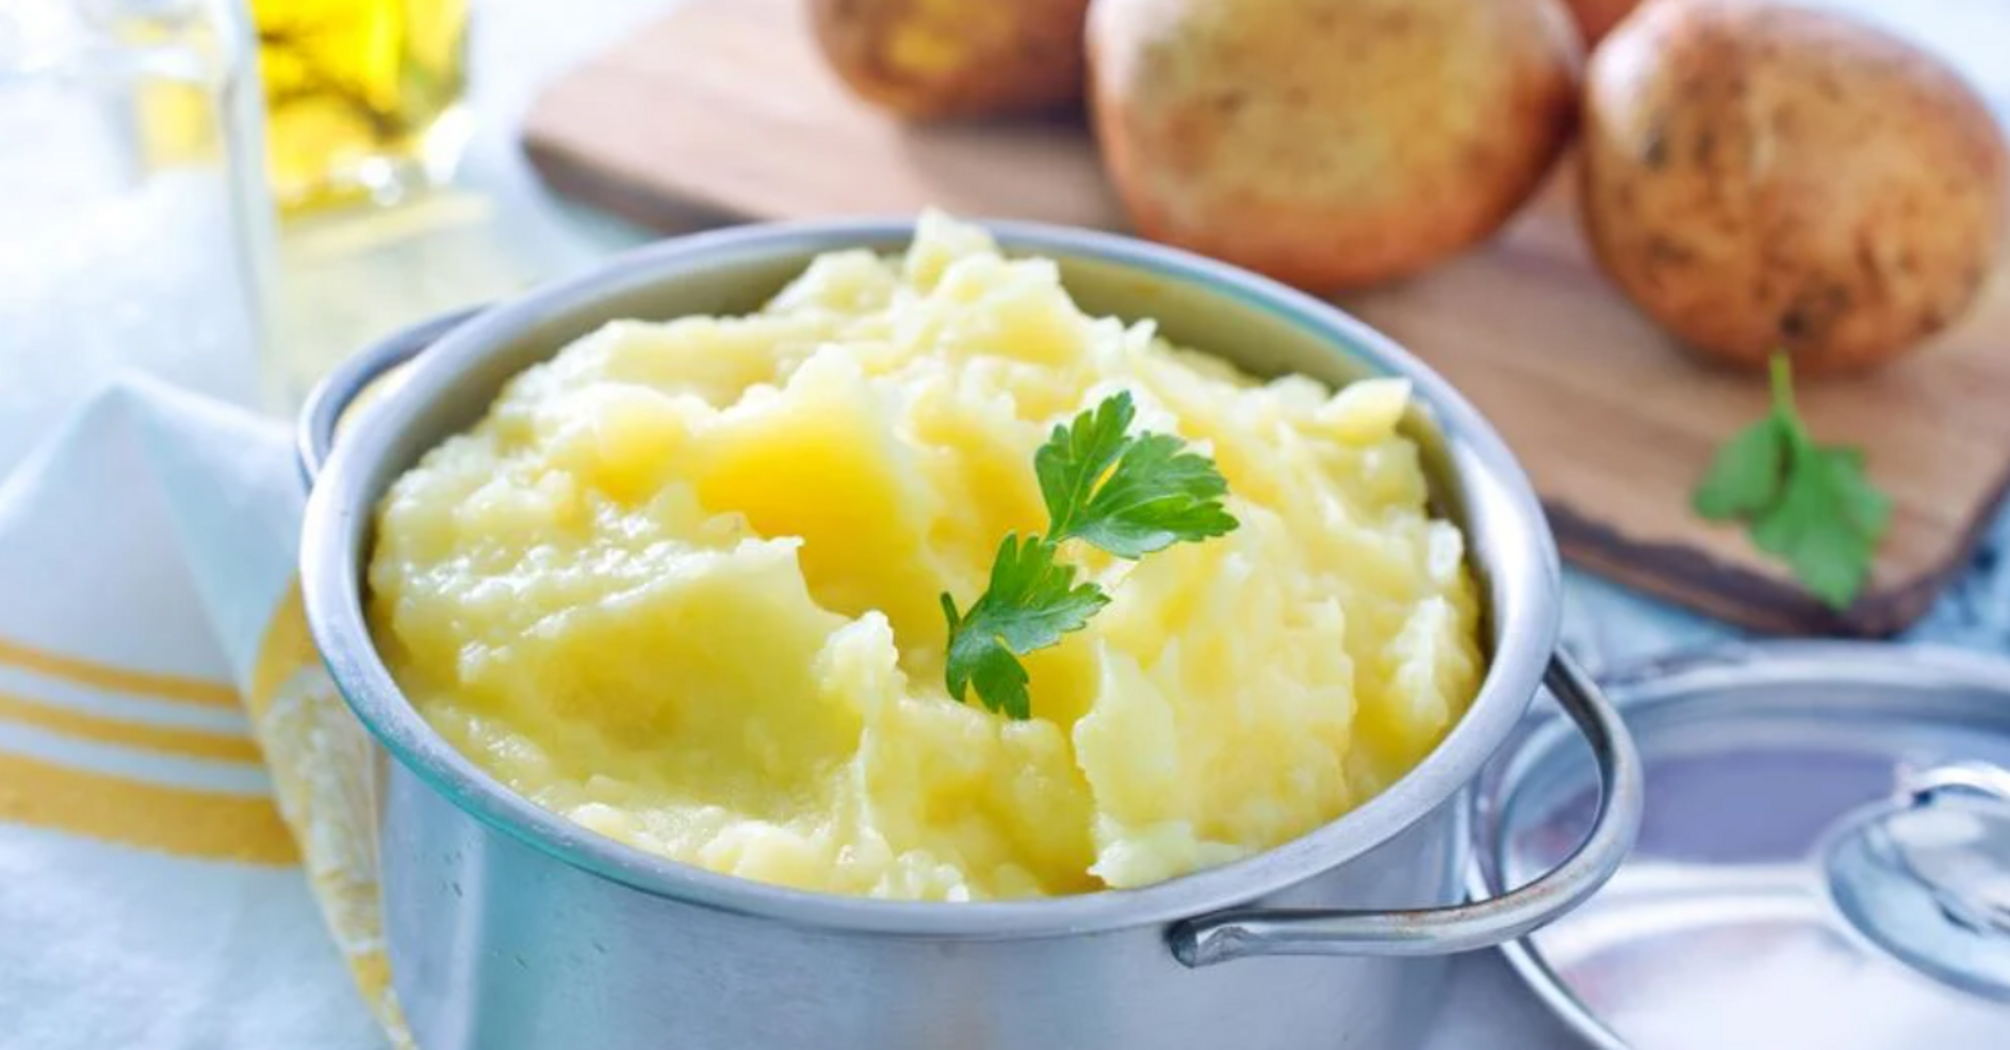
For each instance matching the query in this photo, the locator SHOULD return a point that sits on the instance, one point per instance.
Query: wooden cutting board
(723, 111)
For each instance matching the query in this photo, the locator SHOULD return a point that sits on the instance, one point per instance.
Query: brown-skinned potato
(1330, 143)
(950, 59)
(1760, 177)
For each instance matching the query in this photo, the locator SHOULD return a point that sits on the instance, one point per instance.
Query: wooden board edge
(575, 180)
(1733, 594)
(1692, 579)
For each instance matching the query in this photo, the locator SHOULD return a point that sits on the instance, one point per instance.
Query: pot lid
(1824, 859)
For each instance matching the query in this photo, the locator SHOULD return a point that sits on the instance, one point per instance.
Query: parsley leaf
(1809, 505)
(1155, 493)
(1745, 478)
(1127, 495)
(1077, 456)
(1031, 602)
(1817, 529)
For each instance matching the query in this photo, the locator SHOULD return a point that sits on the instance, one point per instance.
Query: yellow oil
(357, 94)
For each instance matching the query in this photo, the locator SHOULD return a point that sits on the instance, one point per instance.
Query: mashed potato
(680, 585)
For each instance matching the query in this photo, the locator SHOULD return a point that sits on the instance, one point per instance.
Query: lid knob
(1926, 876)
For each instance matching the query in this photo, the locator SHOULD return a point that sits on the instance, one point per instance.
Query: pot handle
(314, 436)
(1464, 927)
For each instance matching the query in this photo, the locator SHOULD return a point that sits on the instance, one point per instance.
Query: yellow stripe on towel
(187, 823)
(117, 679)
(323, 768)
(187, 743)
(287, 649)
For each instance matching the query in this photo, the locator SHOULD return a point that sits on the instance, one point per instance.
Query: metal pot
(510, 926)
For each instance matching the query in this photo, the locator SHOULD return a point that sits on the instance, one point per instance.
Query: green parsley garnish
(1809, 505)
(1032, 601)
(1124, 494)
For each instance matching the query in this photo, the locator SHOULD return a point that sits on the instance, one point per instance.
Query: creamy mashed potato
(680, 585)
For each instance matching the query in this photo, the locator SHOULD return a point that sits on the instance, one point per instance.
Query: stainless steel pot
(510, 926)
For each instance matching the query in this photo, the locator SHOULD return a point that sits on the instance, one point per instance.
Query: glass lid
(1824, 860)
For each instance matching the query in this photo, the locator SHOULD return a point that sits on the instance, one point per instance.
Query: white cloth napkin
(171, 756)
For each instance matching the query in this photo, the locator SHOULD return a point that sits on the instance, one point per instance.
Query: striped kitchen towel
(185, 806)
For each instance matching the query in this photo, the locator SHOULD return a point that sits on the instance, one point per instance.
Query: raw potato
(1595, 18)
(956, 58)
(1330, 144)
(1760, 177)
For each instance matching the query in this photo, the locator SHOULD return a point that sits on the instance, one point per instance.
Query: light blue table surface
(346, 282)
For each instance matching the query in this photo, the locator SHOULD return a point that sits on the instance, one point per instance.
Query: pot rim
(1509, 545)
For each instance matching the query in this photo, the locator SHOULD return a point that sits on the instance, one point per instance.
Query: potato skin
(949, 59)
(1329, 143)
(1595, 18)
(1760, 177)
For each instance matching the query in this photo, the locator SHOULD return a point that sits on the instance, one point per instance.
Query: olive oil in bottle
(362, 96)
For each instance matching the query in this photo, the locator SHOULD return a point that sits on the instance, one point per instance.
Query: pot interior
(1262, 337)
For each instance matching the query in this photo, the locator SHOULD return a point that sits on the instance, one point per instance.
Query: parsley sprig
(1125, 494)
(1810, 505)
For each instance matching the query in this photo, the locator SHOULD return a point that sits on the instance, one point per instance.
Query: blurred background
(235, 196)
